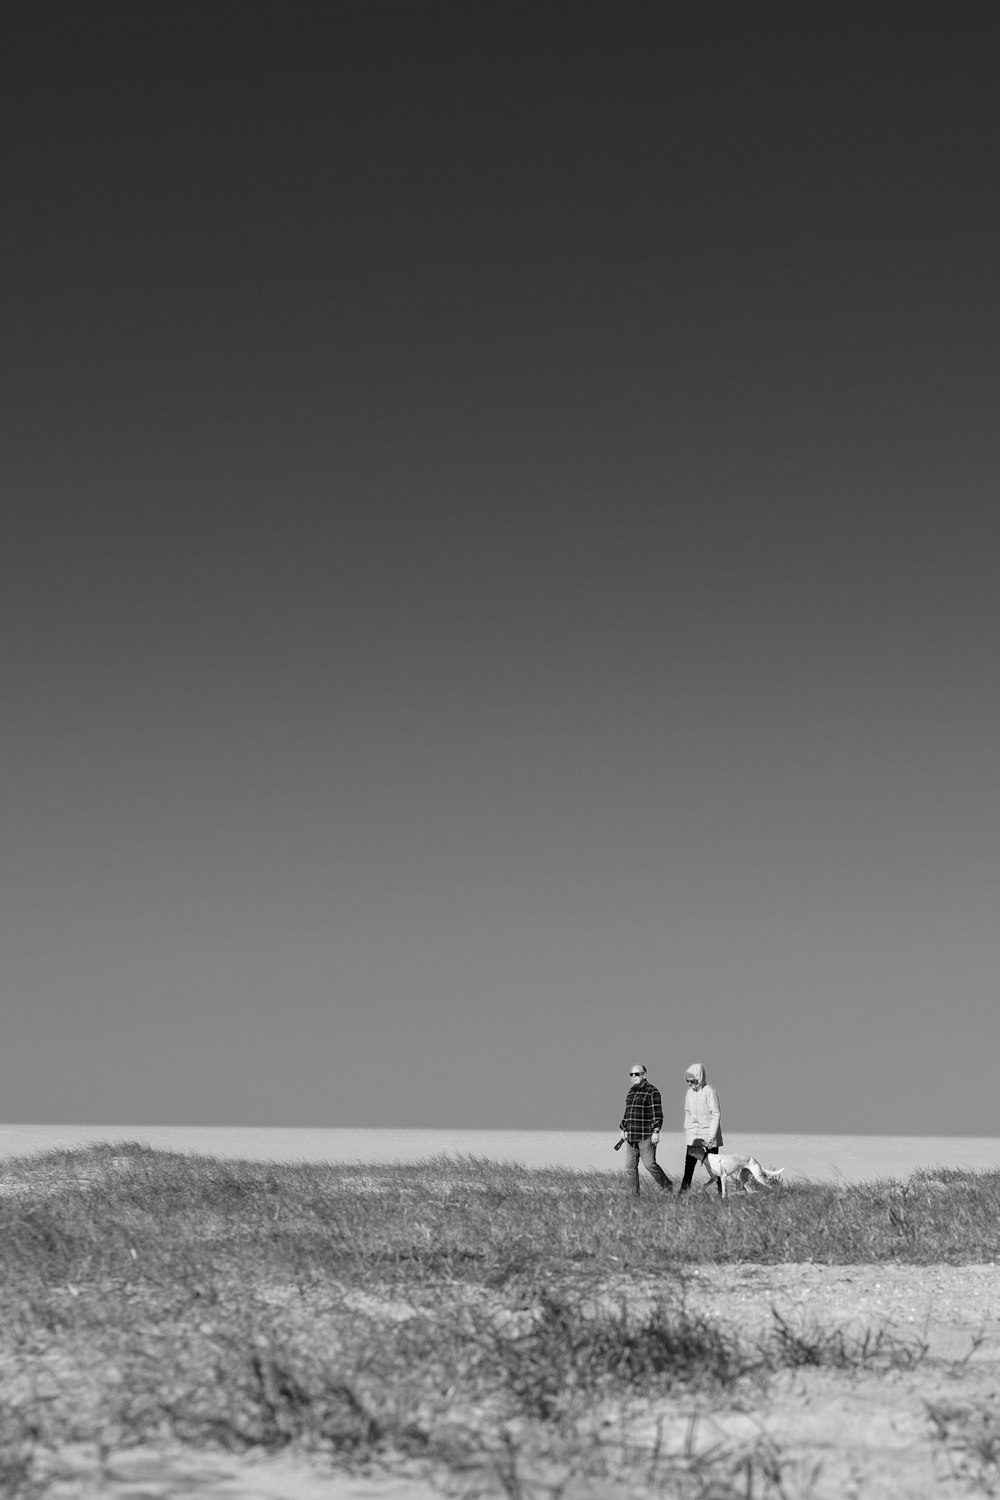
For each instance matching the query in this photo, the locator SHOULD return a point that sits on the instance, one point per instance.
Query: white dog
(739, 1169)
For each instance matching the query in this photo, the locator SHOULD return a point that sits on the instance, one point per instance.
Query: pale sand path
(835, 1435)
(864, 1434)
(146, 1474)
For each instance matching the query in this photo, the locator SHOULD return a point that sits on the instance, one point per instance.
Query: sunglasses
(634, 1074)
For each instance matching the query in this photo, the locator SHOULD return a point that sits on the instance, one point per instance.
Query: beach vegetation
(451, 1313)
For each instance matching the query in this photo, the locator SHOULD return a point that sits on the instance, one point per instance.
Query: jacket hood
(696, 1070)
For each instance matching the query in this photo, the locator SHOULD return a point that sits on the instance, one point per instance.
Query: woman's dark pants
(690, 1162)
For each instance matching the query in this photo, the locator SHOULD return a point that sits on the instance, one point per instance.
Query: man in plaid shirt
(640, 1128)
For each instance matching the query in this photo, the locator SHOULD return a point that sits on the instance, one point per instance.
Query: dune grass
(444, 1312)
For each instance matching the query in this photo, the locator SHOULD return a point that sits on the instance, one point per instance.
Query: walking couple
(643, 1120)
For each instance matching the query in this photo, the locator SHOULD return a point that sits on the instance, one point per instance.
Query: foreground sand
(903, 1433)
(929, 1430)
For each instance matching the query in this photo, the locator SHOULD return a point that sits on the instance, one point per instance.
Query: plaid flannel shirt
(643, 1111)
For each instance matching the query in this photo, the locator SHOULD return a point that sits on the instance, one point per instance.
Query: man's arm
(657, 1108)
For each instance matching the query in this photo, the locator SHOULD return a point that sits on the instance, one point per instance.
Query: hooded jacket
(702, 1111)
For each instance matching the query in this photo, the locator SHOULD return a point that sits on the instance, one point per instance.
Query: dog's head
(698, 1148)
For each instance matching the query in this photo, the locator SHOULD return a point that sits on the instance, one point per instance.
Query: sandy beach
(819, 1158)
(874, 1378)
(885, 1434)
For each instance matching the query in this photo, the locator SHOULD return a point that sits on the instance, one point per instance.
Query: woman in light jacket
(702, 1121)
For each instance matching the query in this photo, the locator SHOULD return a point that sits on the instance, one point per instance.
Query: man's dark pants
(645, 1149)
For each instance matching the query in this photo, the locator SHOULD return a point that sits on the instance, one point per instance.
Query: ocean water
(835, 1158)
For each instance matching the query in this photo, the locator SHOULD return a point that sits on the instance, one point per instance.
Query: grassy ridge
(419, 1310)
(78, 1214)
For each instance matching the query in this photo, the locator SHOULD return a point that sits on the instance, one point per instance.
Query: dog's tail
(763, 1174)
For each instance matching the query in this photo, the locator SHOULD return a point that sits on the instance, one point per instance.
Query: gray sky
(499, 564)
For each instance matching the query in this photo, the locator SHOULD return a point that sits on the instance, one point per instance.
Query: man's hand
(655, 1137)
